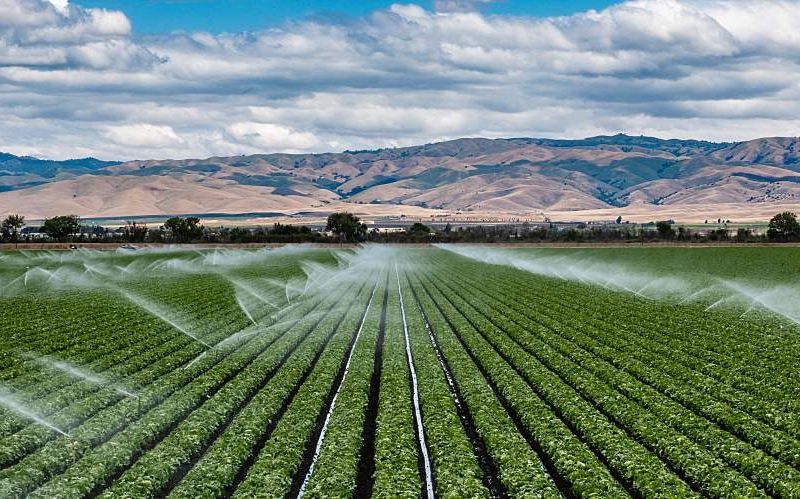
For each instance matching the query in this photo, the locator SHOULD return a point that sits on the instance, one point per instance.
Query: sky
(141, 79)
(219, 16)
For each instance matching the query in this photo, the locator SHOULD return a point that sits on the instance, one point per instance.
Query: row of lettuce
(100, 419)
(528, 387)
(707, 426)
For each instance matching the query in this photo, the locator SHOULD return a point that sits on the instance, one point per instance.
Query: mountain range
(597, 177)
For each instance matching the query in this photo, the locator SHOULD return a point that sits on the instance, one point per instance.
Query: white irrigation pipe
(318, 448)
(415, 395)
(450, 382)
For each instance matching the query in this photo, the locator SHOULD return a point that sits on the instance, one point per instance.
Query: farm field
(451, 371)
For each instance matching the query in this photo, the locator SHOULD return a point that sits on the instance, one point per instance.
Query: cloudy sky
(122, 79)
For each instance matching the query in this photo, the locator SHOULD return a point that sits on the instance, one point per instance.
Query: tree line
(347, 228)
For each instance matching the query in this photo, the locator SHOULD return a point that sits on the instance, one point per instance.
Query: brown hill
(485, 177)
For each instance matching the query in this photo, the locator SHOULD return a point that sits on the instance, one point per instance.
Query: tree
(419, 229)
(238, 235)
(346, 226)
(665, 230)
(62, 227)
(134, 233)
(743, 235)
(289, 230)
(784, 227)
(183, 230)
(12, 224)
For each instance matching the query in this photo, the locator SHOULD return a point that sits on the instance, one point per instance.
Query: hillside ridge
(473, 175)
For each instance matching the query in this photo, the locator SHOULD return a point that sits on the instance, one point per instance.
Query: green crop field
(453, 371)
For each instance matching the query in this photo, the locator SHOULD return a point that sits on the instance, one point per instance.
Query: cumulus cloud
(61, 5)
(717, 69)
(268, 136)
(56, 35)
(142, 135)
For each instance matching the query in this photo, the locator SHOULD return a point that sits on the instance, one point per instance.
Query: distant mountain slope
(17, 172)
(517, 175)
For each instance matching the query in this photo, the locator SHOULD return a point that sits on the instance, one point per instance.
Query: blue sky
(160, 16)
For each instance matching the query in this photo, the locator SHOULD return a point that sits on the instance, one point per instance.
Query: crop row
(226, 462)
(458, 455)
(708, 395)
(22, 443)
(194, 297)
(517, 463)
(690, 461)
(280, 466)
(340, 445)
(631, 462)
(747, 354)
(138, 356)
(769, 473)
(152, 473)
(683, 385)
(109, 308)
(119, 325)
(397, 473)
(187, 385)
(712, 348)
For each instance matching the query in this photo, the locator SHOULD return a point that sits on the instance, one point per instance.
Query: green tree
(12, 224)
(665, 230)
(289, 230)
(62, 227)
(134, 233)
(743, 235)
(238, 235)
(347, 226)
(419, 229)
(183, 230)
(784, 227)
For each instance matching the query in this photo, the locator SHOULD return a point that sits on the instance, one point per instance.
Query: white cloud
(142, 135)
(61, 5)
(273, 137)
(76, 82)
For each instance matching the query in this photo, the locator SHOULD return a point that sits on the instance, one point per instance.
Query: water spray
(10, 403)
(78, 372)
